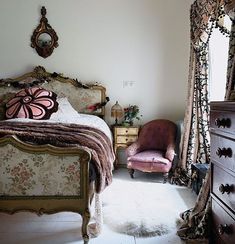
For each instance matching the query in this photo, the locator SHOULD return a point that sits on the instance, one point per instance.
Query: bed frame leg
(85, 220)
(91, 191)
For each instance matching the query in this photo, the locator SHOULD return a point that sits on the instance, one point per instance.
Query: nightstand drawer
(123, 137)
(126, 131)
(126, 139)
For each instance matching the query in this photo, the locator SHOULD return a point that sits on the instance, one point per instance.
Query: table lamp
(116, 112)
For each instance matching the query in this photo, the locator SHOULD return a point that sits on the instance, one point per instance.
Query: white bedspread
(68, 115)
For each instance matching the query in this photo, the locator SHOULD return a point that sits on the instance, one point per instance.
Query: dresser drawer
(223, 151)
(126, 139)
(126, 131)
(223, 224)
(223, 186)
(223, 121)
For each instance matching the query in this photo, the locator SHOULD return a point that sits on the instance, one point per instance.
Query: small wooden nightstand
(123, 137)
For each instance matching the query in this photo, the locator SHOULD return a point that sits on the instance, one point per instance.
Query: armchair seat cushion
(149, 161)
(151, 156)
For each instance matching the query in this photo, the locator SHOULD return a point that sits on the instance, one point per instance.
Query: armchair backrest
(157, 134)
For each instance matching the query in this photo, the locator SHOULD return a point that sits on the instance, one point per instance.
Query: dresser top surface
(223, 105)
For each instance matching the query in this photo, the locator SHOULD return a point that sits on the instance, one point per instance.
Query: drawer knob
(224, 229)
(226, 152)
(225, 188)
(223, 123)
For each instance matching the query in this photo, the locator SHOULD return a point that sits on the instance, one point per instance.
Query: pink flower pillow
(33, 103)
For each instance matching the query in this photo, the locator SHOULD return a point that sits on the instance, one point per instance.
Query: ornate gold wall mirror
(44, 38)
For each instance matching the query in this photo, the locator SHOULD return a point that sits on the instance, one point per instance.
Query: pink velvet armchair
(154, 150)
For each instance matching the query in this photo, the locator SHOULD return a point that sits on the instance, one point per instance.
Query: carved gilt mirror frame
(44, 38)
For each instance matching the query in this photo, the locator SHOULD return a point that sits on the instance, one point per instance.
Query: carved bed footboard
(36, 176)
(44, 179)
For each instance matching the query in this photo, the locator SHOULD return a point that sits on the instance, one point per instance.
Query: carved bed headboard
(85, 98)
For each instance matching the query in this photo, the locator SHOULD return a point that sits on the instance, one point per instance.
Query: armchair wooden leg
(131, 172)
(165, 177)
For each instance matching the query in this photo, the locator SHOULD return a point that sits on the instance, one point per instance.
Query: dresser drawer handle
(225, 188)
(126, 131)
(223, 123)
(224, 229)
(226, 152)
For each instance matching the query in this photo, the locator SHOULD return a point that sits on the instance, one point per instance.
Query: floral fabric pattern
(203, 14)
(80, 99)
(38, 174)
(229, 6)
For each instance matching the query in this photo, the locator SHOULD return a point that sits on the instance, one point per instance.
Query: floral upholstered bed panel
(82, 96)
(31, 174)
(80, 99)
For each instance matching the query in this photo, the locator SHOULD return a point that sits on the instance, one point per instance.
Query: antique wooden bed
(47, 178)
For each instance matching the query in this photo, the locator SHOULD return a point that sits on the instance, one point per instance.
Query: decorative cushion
(65, 112)
(33, 103)
(150, 156)
(149, 167)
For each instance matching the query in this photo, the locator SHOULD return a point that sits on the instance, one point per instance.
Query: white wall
(111, 41)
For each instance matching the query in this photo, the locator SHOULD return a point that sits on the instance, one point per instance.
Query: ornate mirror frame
(44, 47)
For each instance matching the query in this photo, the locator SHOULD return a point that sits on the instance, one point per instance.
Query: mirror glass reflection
(44, 40)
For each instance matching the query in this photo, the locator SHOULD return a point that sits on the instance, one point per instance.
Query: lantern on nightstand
(116, 112)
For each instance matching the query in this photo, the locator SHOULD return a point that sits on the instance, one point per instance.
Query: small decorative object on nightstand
(130, 114)
(124, 136)
(116, 112)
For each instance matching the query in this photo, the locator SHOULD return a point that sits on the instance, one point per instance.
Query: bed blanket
(62, 135)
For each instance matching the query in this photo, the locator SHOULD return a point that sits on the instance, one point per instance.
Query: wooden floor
(64, 228)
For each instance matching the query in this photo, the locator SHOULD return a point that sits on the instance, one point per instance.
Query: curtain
(195, 140)
(229, 6)
(230, 89)
(195, 144)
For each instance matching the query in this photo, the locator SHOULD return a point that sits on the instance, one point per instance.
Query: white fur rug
(144, 209)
